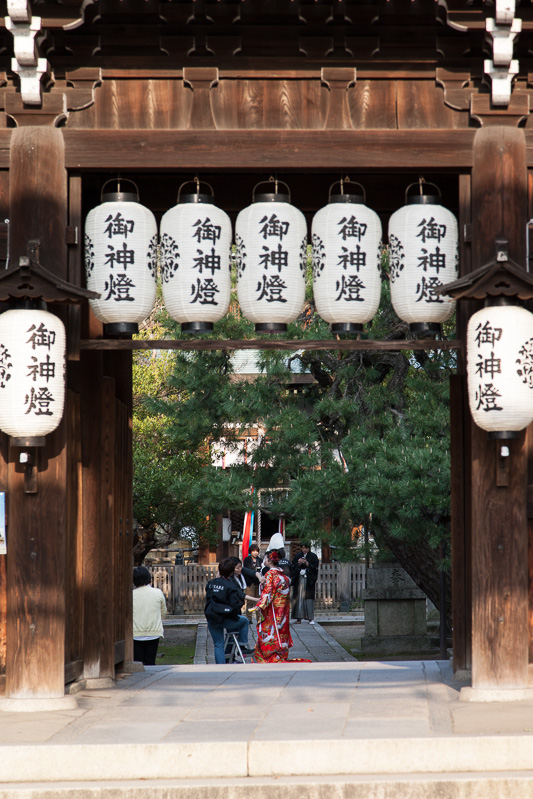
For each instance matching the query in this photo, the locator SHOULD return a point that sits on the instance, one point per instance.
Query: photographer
(224, 600)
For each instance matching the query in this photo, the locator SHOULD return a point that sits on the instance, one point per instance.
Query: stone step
(497, 754)
(462, 785)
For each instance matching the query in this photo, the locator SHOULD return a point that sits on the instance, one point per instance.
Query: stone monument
(395, 612)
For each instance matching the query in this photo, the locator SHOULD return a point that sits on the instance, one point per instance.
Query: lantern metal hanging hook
(118, 181)
(421, 183)
(276, 182)
(341, 182)
(529, 226)
(197, 182)
(273, 179)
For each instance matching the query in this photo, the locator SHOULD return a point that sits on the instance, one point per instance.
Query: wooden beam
(267, 344)
(176, 150)
(268, 149)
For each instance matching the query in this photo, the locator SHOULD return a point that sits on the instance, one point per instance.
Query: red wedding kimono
(273, 631)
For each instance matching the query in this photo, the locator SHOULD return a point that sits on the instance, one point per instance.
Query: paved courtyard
(220, 732)
(310, 641)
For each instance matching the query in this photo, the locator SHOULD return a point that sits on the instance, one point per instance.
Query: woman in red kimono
(273, 608)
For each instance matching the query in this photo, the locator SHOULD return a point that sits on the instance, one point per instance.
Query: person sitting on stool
(224, 600)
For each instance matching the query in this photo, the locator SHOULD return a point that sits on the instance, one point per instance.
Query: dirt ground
(347, 635)
(180, 635)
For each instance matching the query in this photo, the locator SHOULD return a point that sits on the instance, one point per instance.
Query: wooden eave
(29, 280)
(495, 279)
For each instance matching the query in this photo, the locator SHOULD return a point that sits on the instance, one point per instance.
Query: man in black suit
(304, 574)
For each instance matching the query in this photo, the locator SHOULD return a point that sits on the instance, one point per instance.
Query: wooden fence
(339, 586)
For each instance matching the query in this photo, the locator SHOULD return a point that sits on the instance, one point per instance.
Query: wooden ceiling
(299, 33)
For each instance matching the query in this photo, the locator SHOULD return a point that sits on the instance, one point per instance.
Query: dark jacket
(311, 571)
(250, 574)
(235, 579)
(249, 564)
(224, 600)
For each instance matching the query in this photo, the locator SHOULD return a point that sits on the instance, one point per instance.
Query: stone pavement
(310, 641)
(351, 730)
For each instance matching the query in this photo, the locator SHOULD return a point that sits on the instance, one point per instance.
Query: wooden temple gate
(234, 90)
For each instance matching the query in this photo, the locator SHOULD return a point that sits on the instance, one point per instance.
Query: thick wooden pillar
(121, 368)
(460, 426)
(98, 433)
(35, 646)
(4, 212)
(499, 512)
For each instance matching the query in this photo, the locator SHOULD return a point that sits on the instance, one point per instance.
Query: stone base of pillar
(468, 694)
(35, 705)
(130, 667)
(96, 683)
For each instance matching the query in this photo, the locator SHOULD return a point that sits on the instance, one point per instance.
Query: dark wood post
(35, 646)
(499, 513)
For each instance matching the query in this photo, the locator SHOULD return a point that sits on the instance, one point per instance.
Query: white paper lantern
(346, 238)
(121, 261)
(423, 255)
(499, 351)
(32, 374)
(271, 242)
(196, 262)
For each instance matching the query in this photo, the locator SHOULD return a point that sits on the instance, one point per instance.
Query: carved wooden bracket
(52, 111)
(201, 80)
(487, 114)
(463, 93)
(72, 93)
(338, 80)
(457, 91)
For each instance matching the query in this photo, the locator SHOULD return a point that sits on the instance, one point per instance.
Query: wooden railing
(184, 586)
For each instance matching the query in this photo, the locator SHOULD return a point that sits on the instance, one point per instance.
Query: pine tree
(365, 444)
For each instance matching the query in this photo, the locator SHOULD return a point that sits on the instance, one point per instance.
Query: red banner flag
(247, 532)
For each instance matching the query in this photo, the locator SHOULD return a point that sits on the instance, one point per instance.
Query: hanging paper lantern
(346, 238)
(121, 261)
(196, 262)
(32, 374)
(423, 255)
(499, 351)
(271, 242)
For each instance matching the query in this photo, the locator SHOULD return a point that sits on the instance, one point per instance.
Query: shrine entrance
(383, 92)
